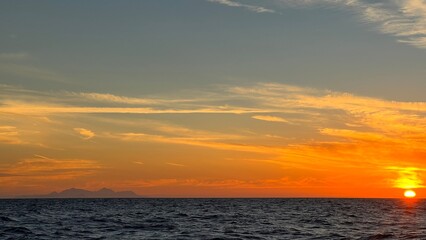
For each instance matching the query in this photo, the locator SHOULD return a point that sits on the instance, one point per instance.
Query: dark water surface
(212, 219)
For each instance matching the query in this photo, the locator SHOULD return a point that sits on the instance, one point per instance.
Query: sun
(409, 194)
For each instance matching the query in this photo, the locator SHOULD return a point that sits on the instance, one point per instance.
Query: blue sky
(148, 46)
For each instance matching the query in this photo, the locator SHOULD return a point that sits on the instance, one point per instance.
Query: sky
(213, 98)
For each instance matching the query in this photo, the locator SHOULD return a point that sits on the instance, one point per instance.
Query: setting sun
(409, 194)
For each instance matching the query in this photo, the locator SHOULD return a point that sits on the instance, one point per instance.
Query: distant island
(82, 193)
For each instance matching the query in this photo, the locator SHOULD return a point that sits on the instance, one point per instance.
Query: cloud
(336, 132)
(409, 177)
(252, 8)
(41, 168)
(179, 131)
(42, 157)
(404, 19)
(111, 98)
(229, 183)
(102, 97)
(87, 134)
(390, 119)
(14, 107)
(270, 118)
(196, 142)
(372, 134)
(279, 97)
(167, 133)
(175, 164)
(9, 135)
(107, 98)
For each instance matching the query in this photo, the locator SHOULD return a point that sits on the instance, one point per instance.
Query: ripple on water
(211, 219)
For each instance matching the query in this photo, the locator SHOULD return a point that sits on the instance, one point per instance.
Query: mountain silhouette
(82, 193)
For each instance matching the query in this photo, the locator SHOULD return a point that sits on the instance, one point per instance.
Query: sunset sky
(214, 98)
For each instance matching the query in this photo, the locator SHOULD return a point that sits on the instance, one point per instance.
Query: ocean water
(212, 219)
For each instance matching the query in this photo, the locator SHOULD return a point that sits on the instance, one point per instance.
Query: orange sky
(265, 140)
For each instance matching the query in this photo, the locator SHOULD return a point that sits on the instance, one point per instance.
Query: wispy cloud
(404, 19)
(253, 8)
(9, 135)
(228, 183)
(106, 97)
(333, 131)
(40, 168)
(14, 107)
(42, 157)
(175, 164)
(111, 98)
(179, 131)
(270, 118)
(197, 142)
(87, 134)
(409, 177)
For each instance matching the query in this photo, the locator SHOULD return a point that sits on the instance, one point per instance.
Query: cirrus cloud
(252, 8)
(404, 19)
(87, 134)
(270, 118)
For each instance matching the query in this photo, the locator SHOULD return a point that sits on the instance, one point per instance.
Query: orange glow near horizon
(277, 147)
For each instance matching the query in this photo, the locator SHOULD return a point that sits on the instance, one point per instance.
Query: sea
(166, 218)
